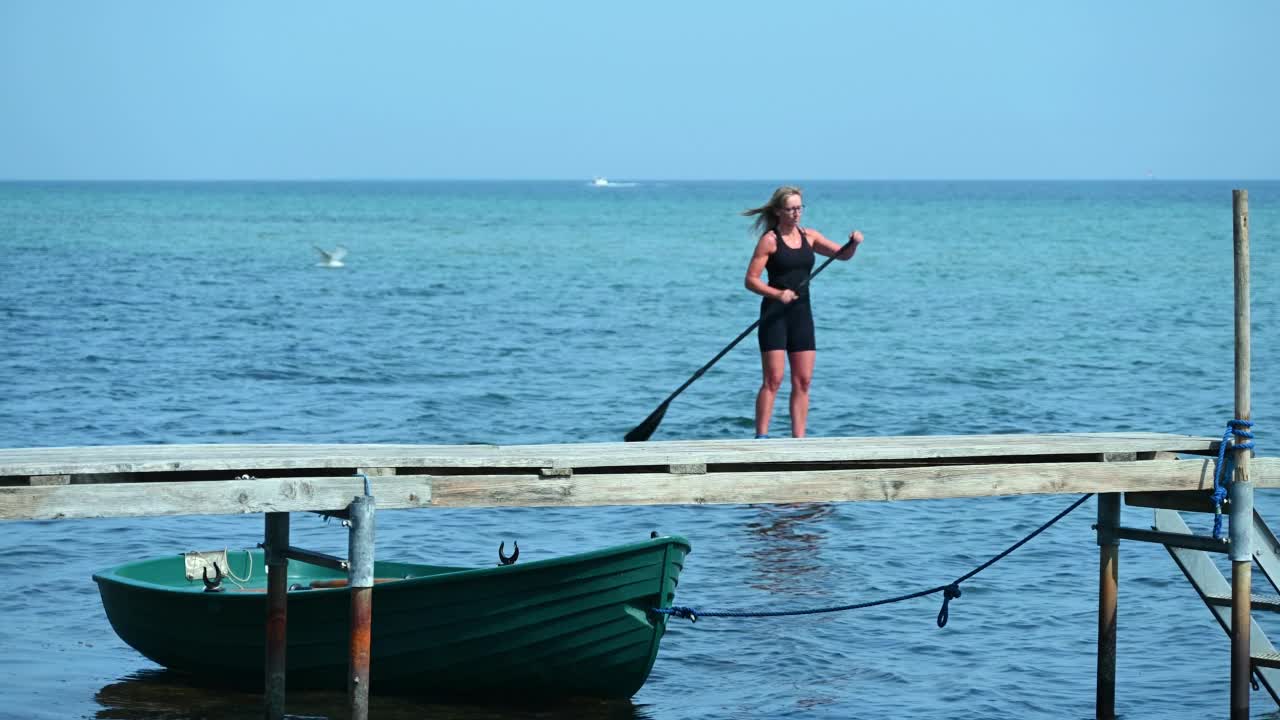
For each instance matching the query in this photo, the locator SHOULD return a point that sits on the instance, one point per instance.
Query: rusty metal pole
(1108, 602)
(275, 545)
(1241, 487)
(360, 558)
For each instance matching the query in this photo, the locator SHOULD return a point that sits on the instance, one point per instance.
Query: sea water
(557, 312)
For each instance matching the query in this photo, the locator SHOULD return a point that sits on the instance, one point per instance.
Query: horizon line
(623, 179)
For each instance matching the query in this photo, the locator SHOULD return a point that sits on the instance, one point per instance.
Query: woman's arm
(825, 247)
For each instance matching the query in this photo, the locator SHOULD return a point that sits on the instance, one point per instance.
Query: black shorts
(790, 329)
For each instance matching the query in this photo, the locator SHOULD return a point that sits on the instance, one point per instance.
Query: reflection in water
(167, 695)
(786, 543)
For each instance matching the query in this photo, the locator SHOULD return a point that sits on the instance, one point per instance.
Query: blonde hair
(767, 214)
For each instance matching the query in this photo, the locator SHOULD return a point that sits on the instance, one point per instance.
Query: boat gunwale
(112, 574)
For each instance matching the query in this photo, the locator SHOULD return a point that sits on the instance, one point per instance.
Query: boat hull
(580, 625)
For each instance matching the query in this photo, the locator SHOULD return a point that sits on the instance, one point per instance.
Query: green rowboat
(579, 625)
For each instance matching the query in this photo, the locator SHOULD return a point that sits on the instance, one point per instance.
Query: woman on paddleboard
(786, 250)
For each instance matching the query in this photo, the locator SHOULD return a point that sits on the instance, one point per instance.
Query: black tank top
(789, 266)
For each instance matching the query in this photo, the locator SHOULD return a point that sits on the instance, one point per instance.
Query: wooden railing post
(1241, 530)
(360, 557)
(1108, 602)
(275, 547)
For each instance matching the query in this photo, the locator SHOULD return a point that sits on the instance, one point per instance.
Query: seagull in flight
(331, 258)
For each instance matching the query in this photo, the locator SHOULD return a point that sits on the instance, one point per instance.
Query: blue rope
(949, 592)
(1224, 468)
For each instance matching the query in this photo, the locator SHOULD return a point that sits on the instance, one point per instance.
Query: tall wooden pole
(1241, 487)
(360, 574)
(1108, 601)
(275, 548)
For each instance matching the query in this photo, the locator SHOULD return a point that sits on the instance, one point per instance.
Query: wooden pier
(55, 483)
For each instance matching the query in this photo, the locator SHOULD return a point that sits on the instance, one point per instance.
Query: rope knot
(680, 611)
(1237, 437)
(949, 593)
(1239, 429)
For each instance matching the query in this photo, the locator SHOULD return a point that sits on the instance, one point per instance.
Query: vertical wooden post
(275, 547)
(360, 559)
(1241, 487)
(1108, 601)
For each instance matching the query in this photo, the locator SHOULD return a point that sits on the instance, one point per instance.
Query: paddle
(641, 432)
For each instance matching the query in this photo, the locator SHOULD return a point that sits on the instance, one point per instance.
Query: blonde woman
(787, 250)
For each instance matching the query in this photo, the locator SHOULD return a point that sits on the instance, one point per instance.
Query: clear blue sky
(639, 90)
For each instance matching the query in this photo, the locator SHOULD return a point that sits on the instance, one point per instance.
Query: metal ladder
(1191, 553)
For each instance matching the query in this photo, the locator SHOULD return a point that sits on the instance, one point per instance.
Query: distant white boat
(604, 182)
(331, 258)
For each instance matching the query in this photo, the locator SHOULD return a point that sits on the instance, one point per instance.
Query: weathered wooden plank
(249, 458)
(919, 483)
(688, 469)
(402, 491)
(226, 497)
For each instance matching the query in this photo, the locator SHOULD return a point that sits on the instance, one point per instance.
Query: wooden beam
(238, 459)
(221, 497)
(918, 483)
(1179, 500)
(586, 489)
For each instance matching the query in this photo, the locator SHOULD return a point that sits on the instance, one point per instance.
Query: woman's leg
(801, 377)
(773, 363)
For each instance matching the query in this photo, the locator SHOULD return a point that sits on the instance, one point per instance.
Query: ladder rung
(1182, 540)
(1256, 602)
(1266, 659)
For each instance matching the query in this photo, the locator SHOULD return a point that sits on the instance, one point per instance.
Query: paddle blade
(642, 431)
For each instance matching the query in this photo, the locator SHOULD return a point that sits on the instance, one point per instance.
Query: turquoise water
(559, 312)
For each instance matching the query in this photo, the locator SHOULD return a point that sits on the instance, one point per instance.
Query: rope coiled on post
(950, 591)
(1224, 466)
